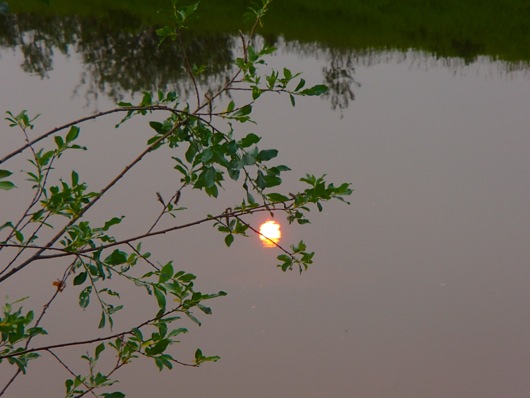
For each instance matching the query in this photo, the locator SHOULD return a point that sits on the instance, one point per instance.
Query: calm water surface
(421, 286)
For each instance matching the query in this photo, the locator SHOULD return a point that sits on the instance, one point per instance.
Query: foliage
(204, 133)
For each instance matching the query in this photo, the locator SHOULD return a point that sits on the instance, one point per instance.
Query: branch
(165, 231)
(90, 341)
(89, 205)
(85, 119)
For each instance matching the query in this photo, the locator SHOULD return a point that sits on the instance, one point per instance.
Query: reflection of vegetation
(338, 76)
(117, 42)
(116, 61)
(449, 28)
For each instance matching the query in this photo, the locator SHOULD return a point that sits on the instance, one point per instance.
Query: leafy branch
(211, 147)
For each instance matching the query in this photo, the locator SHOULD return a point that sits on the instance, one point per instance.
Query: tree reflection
(339, 77)
(116, 58)
(121, 56)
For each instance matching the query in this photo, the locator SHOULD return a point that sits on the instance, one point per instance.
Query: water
(420, 287)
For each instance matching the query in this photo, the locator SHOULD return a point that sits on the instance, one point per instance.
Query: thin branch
(166, 230)
(11, 380)
(90, 341)
(92, 202)
(85, 119)
(265, 237)
(70, 371)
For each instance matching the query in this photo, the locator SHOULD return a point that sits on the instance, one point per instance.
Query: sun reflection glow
(270, 231)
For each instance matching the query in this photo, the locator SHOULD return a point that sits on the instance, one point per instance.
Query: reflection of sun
(271, 230)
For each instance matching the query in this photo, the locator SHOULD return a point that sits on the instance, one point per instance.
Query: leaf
(4, 173)
(260, 180)
(72, 134)
(203, 308)
(229, 239)
(267, 154)
(319, 89)
(157, 126)
(59, 141)
(166, 273)
(158, 348)
(300, 85)
(103, 319)
(6, 185)
(160, 298)
(272, 181)
(80, 278)
(192, 317)
(250, 198)
(75, 178)
(117, 257)
(209, 177)
(99, 349)
(287, 74)
(191, 152)
(113, 395)
(293, 102)
(84, 297)
(256, 92)
(277, 197)
(249, 140)
(111, 222)
(206, 155)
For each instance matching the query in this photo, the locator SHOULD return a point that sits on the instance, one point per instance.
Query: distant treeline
(446, 28)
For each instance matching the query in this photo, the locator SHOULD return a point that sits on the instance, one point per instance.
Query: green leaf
(256, 92)
(6, 185)
(117, 257)
(4, 173)
(59, 141)
(315, 90)
(229, 239)
(272, 181)
(209, 177)
(260, 180)
(113, 395)
(80, 278)
(157, 126)
(111, 222)
(166, 273)
(249, 140)
(75, 178)
(293, 102)
(250, 198)
(160, 298)
(72, 134)
(84, 297)
(300, 85)
(99, 349)
(206, 155)
(158, 348)
(192, 317)
(267, 154)
(203, 308)
(191, 152)
(276, 197)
